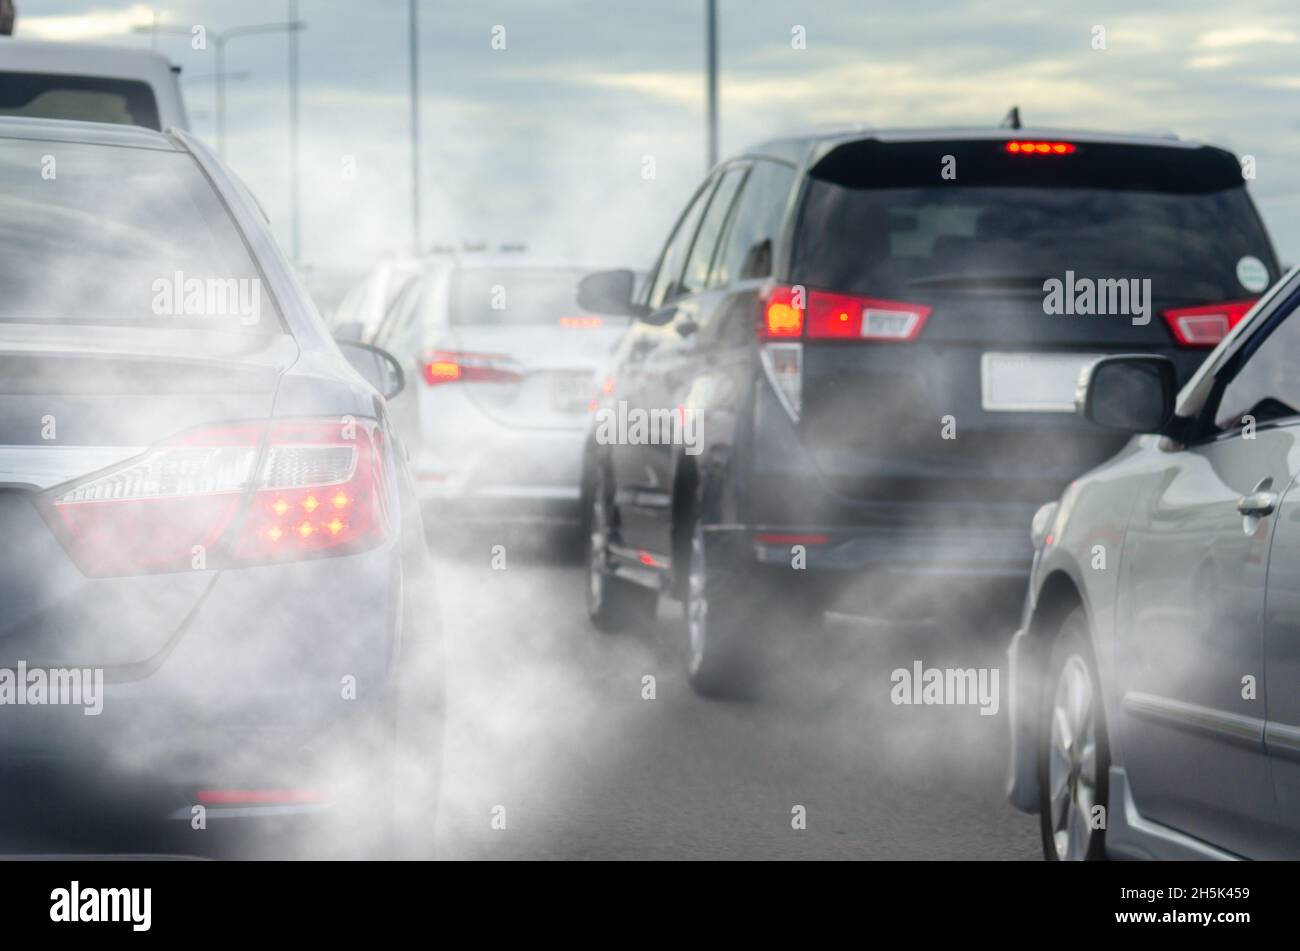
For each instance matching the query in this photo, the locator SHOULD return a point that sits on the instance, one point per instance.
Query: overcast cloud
(545, 140)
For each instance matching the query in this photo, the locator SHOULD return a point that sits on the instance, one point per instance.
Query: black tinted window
(696, 274)
(882, 221)
(756, 220)
(84, 98)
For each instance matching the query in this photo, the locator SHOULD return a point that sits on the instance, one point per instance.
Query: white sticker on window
(1252, 273)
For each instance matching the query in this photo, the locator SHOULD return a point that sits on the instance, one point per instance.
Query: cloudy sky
(545, 141)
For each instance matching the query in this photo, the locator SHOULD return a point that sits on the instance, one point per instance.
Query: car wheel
(613, 603)
(721, 637)
(1074, 756)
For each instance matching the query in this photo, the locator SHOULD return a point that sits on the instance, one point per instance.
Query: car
(89, 82)
(875, 334)
(210, 528)
(1153, 706)
(505, 364)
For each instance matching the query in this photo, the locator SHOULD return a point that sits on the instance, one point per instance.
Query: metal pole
(295, 230)
(414, 32)
(711, 39)
(219, 46)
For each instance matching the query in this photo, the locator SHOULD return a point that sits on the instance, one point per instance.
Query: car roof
(798, 147)
(89, 133)
(82, 59)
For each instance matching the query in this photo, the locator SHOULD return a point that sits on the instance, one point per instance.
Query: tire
(613, 603)
(724, 625)
(1073, 749)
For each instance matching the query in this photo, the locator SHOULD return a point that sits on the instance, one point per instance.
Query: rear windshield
(84, 98)
(880, 220)
(93, 234)
(514, 296)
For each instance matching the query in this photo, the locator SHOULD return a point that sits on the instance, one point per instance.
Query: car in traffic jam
(624, 432)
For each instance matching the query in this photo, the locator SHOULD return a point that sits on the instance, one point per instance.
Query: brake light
(228, 495)
(453, 366)
(783, 310)
(842, 316)
(1022, 147)
(796, 312)
(1206, 325)
(581, 323)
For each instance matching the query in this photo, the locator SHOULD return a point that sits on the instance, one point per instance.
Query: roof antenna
(1012, 120)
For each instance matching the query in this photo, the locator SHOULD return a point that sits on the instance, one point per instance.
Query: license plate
(1031, 382)
(571, 392)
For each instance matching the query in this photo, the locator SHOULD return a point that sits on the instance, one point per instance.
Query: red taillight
(782, 313)
(582, 323)
(1206, 325)
(230, 495)
(1024, 147)
(454, 366)
(796, 312)
(842, 316)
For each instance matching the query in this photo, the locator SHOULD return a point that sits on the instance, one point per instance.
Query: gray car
(1154, 706)
(211, 532)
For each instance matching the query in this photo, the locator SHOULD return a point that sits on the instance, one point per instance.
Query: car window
(515, 295)
(671, 261)
(84, 98)
(1266, 387)
(696, 275)
(399, 314)
(757, 219)
(122, 236)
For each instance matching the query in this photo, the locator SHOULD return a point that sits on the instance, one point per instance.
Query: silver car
(504, 368)
(1154, 711)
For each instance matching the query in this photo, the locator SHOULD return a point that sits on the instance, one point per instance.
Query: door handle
(1257, 503)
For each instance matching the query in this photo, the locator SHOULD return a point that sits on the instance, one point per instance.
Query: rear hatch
(954, 290)
(521, 347)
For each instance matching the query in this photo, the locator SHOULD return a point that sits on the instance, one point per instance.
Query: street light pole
(294, 224)
(414, 35)
(711, 55)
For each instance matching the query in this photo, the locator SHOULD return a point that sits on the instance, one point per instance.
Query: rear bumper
(496, 473)
(913, 551)
(282, 679)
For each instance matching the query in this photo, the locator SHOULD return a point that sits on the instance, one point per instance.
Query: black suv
(859, 352)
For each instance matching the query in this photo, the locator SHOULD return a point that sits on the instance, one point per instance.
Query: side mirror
(608, 292)
(377, 367)
(1134, 393)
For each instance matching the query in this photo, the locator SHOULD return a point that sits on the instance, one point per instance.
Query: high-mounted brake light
(228, 495)
(1206, 325)
(1022, 147)
(455, 366)
(581, 323)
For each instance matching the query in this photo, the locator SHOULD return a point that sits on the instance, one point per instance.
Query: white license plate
(1031, 382)
(571, 392)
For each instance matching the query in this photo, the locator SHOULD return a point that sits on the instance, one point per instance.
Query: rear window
(879, 219)
(514, 296)
(83, 98)
(93, 234)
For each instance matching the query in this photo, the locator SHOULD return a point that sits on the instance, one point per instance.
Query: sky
(547, 141)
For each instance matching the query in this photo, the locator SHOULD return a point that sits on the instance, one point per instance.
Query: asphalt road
(549, 735)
